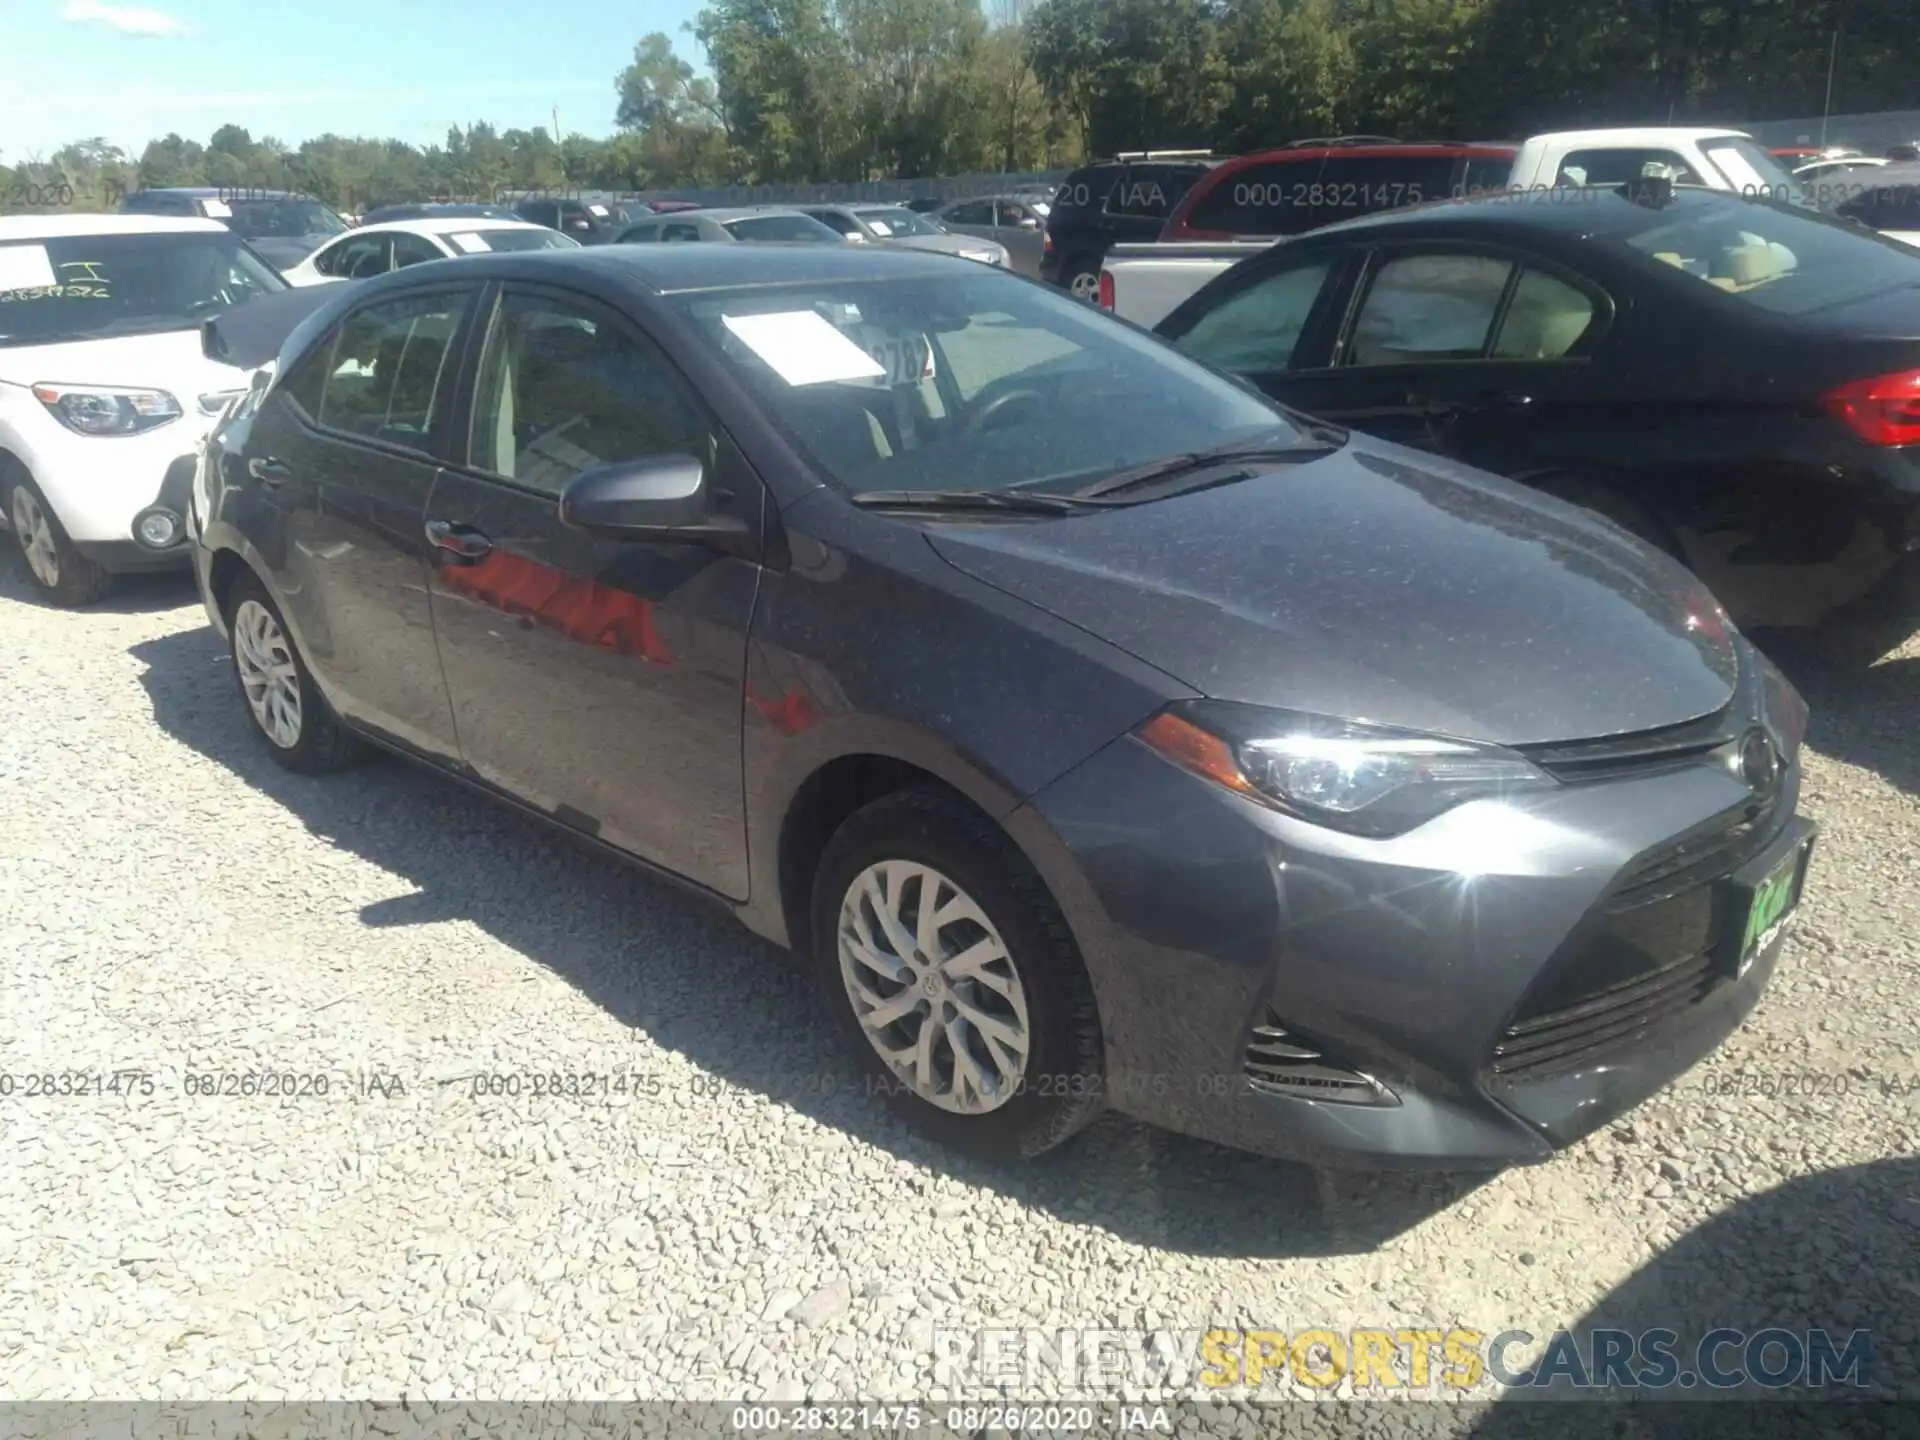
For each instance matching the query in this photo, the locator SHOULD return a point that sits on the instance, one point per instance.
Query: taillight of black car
(1882, 409)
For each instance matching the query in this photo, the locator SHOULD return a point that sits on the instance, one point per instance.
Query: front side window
(358, 258)
(562, 391)
(893, 222)
(981, 381)
(974, 212)
(1423, 308)
(388, 378)
(83, 287)
(1256, 330)
(835, 220)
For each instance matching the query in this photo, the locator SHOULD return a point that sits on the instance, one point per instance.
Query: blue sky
(130, 70)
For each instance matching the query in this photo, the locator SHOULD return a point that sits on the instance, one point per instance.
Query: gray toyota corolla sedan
(1107, 736)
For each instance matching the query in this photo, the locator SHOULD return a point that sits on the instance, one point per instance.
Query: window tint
(1429, 307)
(1623, 166)
(1354, 185)
(974, 212)
(1545, 319)
(1885, 207)
(1484, 174)
(1149, 192)
(562, 391)
(540, 212)
(834, 220)
(306, 380)
(682, 232)
(1272, 198)
(779, 227)
(414, 250)
(1257, 330)
(357, 258)
(1089, 188)
(385, 377)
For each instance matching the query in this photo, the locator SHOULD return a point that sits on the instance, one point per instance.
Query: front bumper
(99, 485)
(1425, 962)
(131, 554)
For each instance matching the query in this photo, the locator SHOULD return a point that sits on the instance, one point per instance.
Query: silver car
(1018, 222)
(897, 225)
(754, 223)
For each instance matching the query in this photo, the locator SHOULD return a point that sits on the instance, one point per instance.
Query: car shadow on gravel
(129, 595)
(696, 982)
(1865, 717)
(1837, 1251)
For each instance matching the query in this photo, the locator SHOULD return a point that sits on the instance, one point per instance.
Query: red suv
(1311, 183)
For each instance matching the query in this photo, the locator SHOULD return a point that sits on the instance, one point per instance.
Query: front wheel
(956, 978)
(288, 710)
(60, 572)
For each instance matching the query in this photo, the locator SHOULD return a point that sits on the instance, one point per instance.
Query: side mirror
(1027, 222)
(660, 498)
(579, 225)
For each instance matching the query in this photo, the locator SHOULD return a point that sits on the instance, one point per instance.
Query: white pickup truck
(1144, 283)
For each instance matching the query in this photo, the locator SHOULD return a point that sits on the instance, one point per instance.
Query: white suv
(105, 390)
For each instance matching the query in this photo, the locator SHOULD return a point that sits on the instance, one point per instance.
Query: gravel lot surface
(742, 1223)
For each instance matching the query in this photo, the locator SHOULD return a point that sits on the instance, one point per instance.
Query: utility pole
(556, 122)
(1826, 108)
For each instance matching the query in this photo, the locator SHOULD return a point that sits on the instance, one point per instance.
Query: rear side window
(356, 259)
(640, 235)
(385, 378)
(1422, 308)
(1273, 197)
(1545, 319)
(1148, 192)
(682, 233)
(1086, 190)
(834, 220)
(1621, 166)
(1483, 174)
(1886, 207)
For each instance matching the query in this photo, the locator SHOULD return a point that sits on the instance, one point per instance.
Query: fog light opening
(1280, 1061)
(158, 528)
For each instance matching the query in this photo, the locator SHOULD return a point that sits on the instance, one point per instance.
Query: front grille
(1280, 1062)
(1629, 757)
(1644, 959)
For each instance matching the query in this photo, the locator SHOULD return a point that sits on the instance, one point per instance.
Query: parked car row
(1182, 724)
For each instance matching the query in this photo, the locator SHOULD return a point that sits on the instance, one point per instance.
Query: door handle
(458, 540)
(269, 471)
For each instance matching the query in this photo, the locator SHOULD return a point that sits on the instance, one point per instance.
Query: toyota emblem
(1759, 762)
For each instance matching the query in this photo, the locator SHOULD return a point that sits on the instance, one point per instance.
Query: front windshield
(1781, 258)
(892, 223)
(1753, 171)
(77, 287)
(283, 219)
(515, 239)
(969, 382)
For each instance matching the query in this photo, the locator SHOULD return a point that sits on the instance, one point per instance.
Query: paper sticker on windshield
(803, 348)
(470, 244)
(218, 209)
(25, 267)
(599, 210)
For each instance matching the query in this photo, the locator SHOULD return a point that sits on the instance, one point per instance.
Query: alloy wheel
(1086, 285)
(934, 987)
(267, 673)
(35, 533)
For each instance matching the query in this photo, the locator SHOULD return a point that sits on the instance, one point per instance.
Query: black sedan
(1732, 380)
(1105, 736)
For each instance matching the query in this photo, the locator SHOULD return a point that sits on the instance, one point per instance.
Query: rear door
(345, 455)
(1455, 348)
(600, 681)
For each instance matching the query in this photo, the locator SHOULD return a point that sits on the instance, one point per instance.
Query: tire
(1080, 278)
(58, 571)
(1041, 1099)
(304, 736)
(1611, 503)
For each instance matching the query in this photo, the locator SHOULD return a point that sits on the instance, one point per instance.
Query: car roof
(1576, 210)
(443, 225)
(53, 227)
(683, 269)
(223, 192)
(1660, 135)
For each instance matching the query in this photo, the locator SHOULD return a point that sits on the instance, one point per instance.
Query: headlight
(1365, 779)
(106, 410)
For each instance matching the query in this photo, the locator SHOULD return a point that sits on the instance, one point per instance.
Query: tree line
(852, 90)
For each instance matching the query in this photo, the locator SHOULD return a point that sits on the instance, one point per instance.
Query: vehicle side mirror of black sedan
(662, 497)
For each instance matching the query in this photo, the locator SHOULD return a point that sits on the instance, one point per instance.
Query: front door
(600, 681)
(343, 454)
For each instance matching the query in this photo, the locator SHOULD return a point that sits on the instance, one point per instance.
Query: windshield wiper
(1244, 460)
(1013, 502)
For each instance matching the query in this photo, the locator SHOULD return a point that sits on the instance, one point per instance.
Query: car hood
(1379, 585)
(173, 361)
(944, 244)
